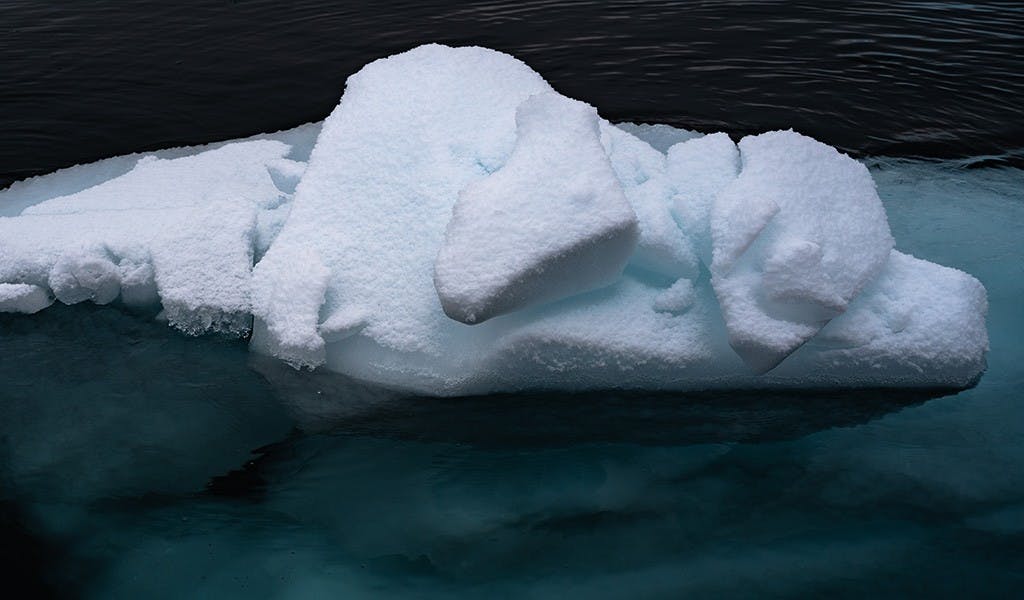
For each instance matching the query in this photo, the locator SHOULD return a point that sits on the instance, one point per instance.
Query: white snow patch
(23, 298)
(795, 238)
(552, 222)
(677, 298)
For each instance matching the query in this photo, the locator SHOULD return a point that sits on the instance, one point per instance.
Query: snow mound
(796, 236)
(23, 298)
(411, 132)
(291, 308)
(915, 313)
(677, 298)
(551, 223)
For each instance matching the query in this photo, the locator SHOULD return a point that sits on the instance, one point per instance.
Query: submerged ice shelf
(456, 226)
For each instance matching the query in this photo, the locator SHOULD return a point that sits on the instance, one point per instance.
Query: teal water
(138, 463)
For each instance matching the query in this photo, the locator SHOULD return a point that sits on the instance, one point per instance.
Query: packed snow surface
(23, 298)
(795, 238)
(456, 226)
(551, 223)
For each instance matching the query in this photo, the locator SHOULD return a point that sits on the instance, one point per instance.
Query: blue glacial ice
(453, 186)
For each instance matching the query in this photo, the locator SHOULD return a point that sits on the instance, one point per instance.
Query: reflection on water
(138, 462)
(330, 403)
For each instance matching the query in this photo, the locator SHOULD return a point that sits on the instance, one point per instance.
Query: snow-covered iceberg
(459, 227)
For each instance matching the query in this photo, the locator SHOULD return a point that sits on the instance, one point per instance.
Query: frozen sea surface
(207, 482)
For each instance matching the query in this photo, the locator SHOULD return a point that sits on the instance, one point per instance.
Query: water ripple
(102, 78)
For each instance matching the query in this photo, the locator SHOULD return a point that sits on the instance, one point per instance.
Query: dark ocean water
(82, 81)
(138, 463)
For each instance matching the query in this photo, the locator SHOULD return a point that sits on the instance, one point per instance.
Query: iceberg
(456, 227)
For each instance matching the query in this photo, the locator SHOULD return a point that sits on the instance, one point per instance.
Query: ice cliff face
(460, 227)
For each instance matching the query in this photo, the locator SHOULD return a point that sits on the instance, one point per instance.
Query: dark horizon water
(84, 81)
